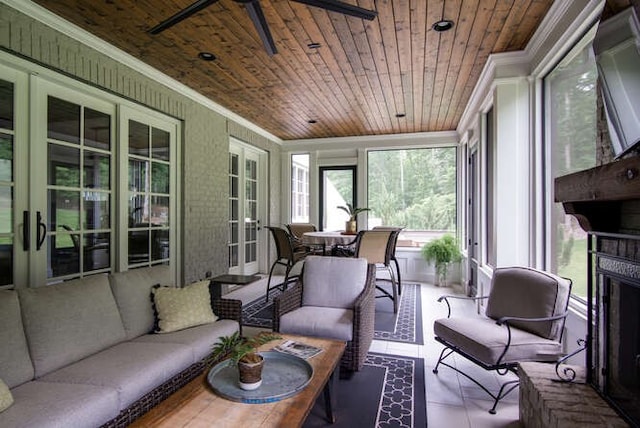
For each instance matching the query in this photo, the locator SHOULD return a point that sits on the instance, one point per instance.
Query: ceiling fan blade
(341, 7)
(257, 17)
(183, 14)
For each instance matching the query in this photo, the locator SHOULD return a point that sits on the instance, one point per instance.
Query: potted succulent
(242, 352)
(351, 225)
(442, 252)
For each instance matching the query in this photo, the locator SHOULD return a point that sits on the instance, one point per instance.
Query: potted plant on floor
(442, 252)
(243, 353)
(351, 225)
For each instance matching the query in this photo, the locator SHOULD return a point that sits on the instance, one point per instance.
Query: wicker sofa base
(153, 398)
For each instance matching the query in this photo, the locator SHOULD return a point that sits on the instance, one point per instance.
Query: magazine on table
(298, 349)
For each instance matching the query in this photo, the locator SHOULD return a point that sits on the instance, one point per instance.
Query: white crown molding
(417, 139)
(71, 30)
(510, 63)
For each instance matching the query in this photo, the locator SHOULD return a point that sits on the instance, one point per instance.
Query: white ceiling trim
(73, 31)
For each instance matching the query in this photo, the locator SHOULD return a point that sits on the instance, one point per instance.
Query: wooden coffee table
(196, 405)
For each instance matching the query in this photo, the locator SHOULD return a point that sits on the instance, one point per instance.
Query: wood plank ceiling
(362, 76)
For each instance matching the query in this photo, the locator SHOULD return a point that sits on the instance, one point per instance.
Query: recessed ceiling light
(400, 115)
(443, 25)
(314, 45)
(312, 121)
(206, 56)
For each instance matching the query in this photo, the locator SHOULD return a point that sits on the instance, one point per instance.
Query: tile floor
(452, 400)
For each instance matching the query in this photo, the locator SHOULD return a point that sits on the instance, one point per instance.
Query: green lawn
(576, 269)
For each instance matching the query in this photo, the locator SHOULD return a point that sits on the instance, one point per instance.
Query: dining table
(327, 239)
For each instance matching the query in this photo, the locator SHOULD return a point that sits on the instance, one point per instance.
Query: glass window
(490, 159)
(570, 130)
(300, 188)
(413, 188)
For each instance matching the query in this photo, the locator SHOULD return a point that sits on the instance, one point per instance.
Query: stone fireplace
(606, 202)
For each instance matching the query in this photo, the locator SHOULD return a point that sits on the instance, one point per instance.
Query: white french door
(247, 208)
(87, 182)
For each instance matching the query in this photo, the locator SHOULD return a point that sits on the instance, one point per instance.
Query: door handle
(26, 231)
(42, 227)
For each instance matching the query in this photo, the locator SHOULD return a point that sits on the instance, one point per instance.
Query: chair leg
(269, 280)
(394, 288)
(505, 388)
(395, 261)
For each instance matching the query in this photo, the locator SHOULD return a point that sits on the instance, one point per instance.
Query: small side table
(220, 280)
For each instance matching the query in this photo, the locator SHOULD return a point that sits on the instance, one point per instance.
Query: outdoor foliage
(415, 188)
(442, 252)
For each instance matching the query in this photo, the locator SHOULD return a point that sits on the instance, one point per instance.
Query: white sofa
(80, 353)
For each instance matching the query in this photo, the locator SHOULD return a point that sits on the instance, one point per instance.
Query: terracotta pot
(351, 227)
(250, 374)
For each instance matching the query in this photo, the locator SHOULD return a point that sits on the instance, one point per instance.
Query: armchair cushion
(528, 293)
(332, 323)
(348, 275)
(483, 339)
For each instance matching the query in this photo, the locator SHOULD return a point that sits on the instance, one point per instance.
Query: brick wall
(203, 202)
(545, 403)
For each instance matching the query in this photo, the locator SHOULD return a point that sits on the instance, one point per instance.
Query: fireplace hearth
(613, 357)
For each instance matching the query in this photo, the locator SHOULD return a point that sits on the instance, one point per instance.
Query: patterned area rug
(388, 392)
(405, 326)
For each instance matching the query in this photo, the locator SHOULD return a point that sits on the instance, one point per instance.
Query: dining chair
(393, 253)
(286, 256)
(377, 246)
(297, 230)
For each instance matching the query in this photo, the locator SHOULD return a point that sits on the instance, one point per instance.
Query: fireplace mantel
(597, 197)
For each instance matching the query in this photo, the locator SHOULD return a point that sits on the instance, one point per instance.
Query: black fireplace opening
(614, 357)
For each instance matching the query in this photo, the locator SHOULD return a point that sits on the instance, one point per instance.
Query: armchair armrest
(228, 309)
(505, 320)
(446, 298)
(286, 302)
(364, 319)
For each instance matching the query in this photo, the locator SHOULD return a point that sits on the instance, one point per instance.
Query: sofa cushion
(131, 368)
(69, 321)
(317, 321)
(44, 405)
(199, 339)
(485, 340)
(132, 291)
(179, 308)
(333, 282)
(528, 293)
(15, 362)
(6, 399)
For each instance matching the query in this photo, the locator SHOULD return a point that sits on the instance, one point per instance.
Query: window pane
(159, 211)
(159, 244)
(6, 157)
(6, 209)
(64, 166)
(63, 257)
(572, 136)
(96, 210)
(299, 188)
(413, 188)
(138, 246)
(138, 216)
(337, 190)
(97, 129)
(63, 120)
(138, 175)
(6, 105)
(96, 170)
(6, 261)
(160, 144)
(96, 251)
(64, 210)
(159, 177)
(138, 139)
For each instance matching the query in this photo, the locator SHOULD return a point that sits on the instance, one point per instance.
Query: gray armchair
(334, 299)
(525, 315)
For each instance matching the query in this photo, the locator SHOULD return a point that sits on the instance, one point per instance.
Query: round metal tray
(283, 376)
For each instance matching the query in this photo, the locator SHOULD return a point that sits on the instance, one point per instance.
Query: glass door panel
(79, 158)
(7, 235)
(234, 212)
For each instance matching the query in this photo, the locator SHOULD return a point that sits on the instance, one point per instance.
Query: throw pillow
(180, 308)
(6, 399)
